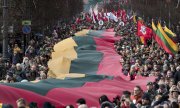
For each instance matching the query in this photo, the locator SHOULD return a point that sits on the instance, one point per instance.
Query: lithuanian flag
(90, 68)
(163, 40)
(89, 52)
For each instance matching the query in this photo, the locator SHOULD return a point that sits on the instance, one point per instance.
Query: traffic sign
(26, 22)
(101, 22)
(121, 23)
(26, 29)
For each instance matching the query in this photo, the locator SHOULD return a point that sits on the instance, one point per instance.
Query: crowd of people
(137, 59)
(150, 60)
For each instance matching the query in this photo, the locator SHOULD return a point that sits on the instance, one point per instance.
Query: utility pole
(169, 13)
(5, 29)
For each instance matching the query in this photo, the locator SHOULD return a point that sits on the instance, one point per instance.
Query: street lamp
(5, 30)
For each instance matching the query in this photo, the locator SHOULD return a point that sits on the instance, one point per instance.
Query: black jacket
(177, 77)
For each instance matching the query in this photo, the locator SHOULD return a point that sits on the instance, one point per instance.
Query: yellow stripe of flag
(1, 105)
(134, 18)
(169, 31)
(153, 26)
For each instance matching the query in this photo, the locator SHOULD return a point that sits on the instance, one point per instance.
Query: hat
(24, 80)
(149, 83)
(178, 68)
(146, 96)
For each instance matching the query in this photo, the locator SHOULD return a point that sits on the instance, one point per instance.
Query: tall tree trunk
(178, 4)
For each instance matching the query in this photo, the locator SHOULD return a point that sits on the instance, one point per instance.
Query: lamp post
(168, 2)
(5, 30)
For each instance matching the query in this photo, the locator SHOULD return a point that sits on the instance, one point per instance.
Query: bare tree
(42, 12)
(157, 9)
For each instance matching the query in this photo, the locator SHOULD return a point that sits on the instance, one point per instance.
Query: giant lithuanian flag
(92, 59)
(90, 52)
(164, 40)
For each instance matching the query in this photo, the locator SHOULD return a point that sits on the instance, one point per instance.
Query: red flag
(94, 17)
(78, 20)
(73, 26)
(119, 13)
(123, 16)
(144, 32)
(105, 19)
(88, 19)
(100, 16)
